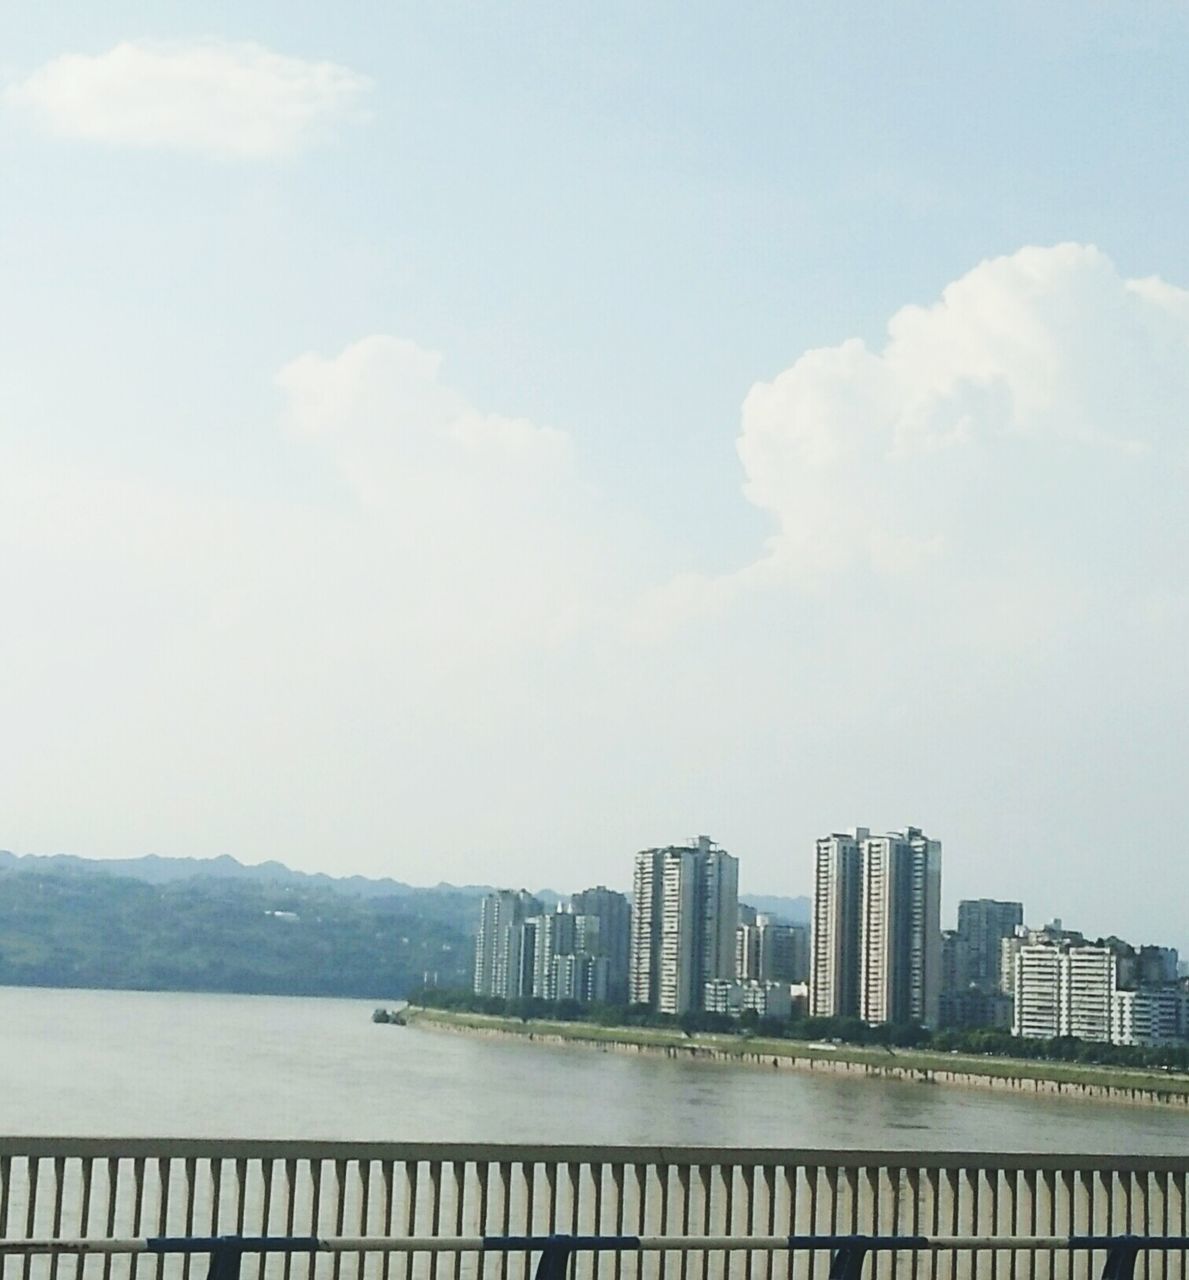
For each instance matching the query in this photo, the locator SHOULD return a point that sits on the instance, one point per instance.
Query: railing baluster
(189, 1169)
(617, 1181)
(505, 1168)
(411, 1172)
(162, 1221)
(290, 1170)
(597, 1175)
(459, 1169)
(1178, 1213)
(813, 1224)
(84, 1212)
(268, 1173)
(770, 1222)
(33, 1164)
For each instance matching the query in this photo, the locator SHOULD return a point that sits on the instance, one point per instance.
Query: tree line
(891, 1036)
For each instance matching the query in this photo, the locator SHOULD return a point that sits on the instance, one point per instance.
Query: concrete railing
(110, 1189)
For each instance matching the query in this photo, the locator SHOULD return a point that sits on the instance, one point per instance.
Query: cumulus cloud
(236, 101)
(1028, 417)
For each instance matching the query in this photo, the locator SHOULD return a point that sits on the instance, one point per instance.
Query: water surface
(161, 1064)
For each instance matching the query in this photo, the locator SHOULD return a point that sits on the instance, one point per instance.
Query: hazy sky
(474, 442)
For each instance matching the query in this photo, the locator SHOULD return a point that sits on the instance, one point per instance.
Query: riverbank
(1050, 1079)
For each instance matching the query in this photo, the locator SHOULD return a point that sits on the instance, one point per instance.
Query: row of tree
(983, 1040)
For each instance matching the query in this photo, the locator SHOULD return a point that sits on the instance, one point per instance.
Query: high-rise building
(504, 949)
(983, 923)
(900, 922)
(613, 912)
(683, 924)
(972, 958)
(1105, 992)
(877, 927)
(1053, 933)
(555, 935)
(837, 886)
(768, 951)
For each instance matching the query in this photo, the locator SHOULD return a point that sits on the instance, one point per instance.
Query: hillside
(65, 929)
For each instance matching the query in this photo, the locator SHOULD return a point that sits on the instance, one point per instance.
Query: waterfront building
(983, 923)
(1150, 1016)
(613, 912)
(1097, 992)
(769, 951)
(735, 997)
(554, 936)
(582, 977)
(683, 923)
(971, 964)
(1053, 933)
(876, 950)
(834, 968)
(503, 962)
(900, 922)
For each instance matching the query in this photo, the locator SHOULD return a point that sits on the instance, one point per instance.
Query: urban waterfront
(129, 1064)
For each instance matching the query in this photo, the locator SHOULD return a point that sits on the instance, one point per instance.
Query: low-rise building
(765, 999)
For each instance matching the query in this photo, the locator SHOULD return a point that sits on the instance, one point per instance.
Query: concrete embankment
(782, 1057)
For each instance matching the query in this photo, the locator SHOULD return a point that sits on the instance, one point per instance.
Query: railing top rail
(548, 1153)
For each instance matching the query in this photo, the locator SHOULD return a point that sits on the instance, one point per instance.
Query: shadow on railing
(557, 1252)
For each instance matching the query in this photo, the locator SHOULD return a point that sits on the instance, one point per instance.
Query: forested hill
(216, 924)
(68, 929)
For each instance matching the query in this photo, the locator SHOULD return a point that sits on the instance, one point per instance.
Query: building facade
(685, 913)
(1102, 992)
(504, 949)
(613, 912)
(768, 951)
(837, 885)
(876, 950)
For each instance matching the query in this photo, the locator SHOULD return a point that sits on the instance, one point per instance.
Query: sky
(472, 443)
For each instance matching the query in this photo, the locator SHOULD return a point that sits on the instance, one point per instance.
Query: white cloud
(1003, 425)
(230, 100)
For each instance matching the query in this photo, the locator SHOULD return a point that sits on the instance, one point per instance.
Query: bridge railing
(110, 1189)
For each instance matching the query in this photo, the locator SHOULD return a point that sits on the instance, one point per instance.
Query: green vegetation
(64, 929)
(977, 1044)
(765, 1047)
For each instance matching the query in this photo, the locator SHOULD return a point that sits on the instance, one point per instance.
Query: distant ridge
(154, 869)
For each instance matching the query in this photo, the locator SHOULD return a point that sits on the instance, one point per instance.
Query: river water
(132, 1064)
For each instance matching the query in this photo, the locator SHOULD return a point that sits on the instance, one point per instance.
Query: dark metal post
(555, 1259)
(847, 1262)
(1120, 1259)
(226, 1256)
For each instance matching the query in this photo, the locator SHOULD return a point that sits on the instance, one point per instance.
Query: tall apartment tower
(502, 967)
(876, 951)
(900, 929)
(834, 950)
(614, 914)
(983, 923)
(683, 924)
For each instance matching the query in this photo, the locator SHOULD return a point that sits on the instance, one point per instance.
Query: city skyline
(873, 951)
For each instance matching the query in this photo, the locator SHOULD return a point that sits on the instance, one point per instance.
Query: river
(135, 1064)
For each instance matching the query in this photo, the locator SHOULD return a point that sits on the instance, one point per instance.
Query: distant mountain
(788, 910)
(66, 928)
(153, 869)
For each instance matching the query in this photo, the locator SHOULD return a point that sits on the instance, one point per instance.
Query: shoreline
(1021, 1077)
